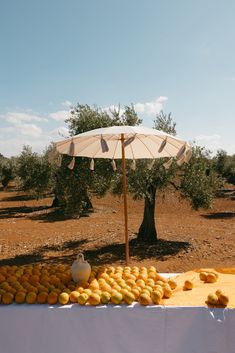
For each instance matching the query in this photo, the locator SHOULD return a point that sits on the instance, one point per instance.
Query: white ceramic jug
(80, 269)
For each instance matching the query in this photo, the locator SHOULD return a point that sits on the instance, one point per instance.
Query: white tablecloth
(116, 329)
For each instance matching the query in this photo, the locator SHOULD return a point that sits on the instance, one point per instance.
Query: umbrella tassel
(188, 155)
(71, 149)
(162, 146)
(72, 164)
(92, 165)
(168, 164)
(151, 164)
(114, 165)
(104, 145)
(181, 152)
(181, 161)
(59, 160)
(133, 165)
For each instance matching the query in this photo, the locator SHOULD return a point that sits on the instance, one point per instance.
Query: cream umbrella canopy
(126, 142)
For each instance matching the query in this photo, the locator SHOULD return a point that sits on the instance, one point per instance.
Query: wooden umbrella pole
(125, 198)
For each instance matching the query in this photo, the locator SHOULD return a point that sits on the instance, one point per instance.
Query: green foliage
(74, 187)
(165, 123)
(199, 180)
(34, 172)
(225, 166)
(6, 170)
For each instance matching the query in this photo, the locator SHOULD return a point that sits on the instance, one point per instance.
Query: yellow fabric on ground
(198, 295)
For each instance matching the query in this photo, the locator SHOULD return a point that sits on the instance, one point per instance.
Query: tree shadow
(56, 215)
(19, 212)
(38, 255)
(226, 193)
(219, 215)
(116, 252)
(19, 198)
(107, 254)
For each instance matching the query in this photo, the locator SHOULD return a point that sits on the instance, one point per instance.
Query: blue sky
(178, 56)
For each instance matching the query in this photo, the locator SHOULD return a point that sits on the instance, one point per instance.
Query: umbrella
(125, 142)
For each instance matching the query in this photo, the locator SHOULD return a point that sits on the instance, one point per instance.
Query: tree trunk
(147, 231)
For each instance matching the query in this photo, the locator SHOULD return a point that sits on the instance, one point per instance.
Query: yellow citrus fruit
(20, 297)
(188, 285)
(116, 298)
(63, 298)
(94, 284)
(52, 298)
(212, 299)
(223, 299)
(144, 299)
(129, 298)
(105, 297)
(31, 298)
(7, 298)
(87, 291)
(94, 299)
(211, 277)
(42, 297)
(172, 283)
(83, 298)
(73, 296)
(156, 297)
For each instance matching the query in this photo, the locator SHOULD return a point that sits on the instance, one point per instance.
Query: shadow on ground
(219, 215)
(19, 212)
(39, 254)
(55, 215)
(226, 193)
(107, 254)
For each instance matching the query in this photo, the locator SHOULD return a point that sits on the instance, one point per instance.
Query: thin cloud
(60, 115)
(211, 142)
(67, 104)
(17, 117)
(61, 131)
(152, 107)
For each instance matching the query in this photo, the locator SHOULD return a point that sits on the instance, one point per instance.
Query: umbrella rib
(132, 151)
(115, 149)
(145, 146)
(89, 143)
(168, 141)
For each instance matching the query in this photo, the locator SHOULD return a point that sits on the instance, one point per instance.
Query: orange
(52, 298)
(94, 299)
(7, 298)
(73, 296)
(31, 297)
(20, 297)
(42, 297)
(2, 278)
(144, 299)
(63, 298)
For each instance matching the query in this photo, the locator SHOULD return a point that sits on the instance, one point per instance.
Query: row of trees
(73, 189)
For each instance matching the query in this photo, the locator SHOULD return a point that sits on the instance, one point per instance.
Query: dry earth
(31, 231)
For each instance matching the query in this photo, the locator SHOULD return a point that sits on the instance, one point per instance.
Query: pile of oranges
(52, 284)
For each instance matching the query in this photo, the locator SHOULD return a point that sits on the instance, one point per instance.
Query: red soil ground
(31, 231)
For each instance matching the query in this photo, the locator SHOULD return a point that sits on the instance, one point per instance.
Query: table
(116, 329)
